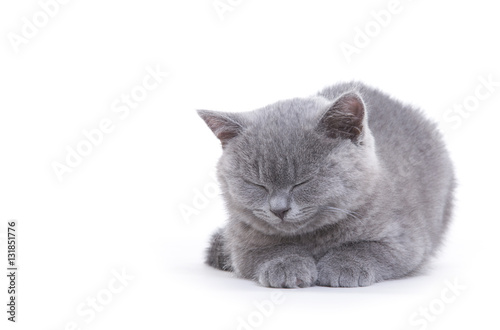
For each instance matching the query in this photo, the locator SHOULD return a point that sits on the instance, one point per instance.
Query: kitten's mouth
(292, 225)
(288, 224)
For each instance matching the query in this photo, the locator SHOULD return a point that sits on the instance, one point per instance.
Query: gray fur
(364, 185)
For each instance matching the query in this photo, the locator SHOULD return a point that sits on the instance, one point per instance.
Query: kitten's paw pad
(288, 272)
(344, 274)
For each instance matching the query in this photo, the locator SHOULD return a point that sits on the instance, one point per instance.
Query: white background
(120, 208)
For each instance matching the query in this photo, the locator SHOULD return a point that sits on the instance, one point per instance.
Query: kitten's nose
(280, 213)
(279, 202)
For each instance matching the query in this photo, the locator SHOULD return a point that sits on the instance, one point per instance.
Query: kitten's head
(295, 165)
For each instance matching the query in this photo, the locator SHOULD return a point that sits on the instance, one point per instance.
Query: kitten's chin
(287, 227)
(291, 228)
(296, 227)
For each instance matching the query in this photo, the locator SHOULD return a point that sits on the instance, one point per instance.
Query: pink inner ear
(345, 118)
(351, 104)
(355, 106)
(226, 133)
(223, 129)
(221, 125)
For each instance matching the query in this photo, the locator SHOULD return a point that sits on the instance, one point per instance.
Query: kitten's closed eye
(251, 183)
(257, 185)
(302, 183)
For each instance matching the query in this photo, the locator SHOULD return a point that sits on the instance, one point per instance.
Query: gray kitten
(343, 189)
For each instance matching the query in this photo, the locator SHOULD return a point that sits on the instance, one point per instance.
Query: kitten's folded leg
(282, 266)
(291, 271)
(217, 255)
(365, 263)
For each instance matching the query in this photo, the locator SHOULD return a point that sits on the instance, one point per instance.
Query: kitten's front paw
(288, 272)
(344, 273)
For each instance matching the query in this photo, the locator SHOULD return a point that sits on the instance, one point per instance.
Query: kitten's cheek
(251, 200)
(304, 201)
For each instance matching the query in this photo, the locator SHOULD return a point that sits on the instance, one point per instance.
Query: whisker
(261, 214)
(351, 213)
(302, 212)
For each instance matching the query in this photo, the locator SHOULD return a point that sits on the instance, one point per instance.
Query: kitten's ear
(224, 125)
(345, 118)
